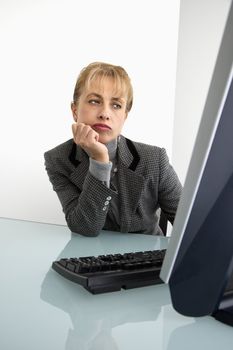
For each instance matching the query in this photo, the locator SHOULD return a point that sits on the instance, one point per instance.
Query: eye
(93, 101)
(116, 106)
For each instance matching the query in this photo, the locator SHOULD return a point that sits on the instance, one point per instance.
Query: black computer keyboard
(108, 273)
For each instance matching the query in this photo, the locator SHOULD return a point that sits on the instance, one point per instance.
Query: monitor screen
(199, 259)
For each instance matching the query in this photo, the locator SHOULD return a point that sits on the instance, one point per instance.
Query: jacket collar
(127, 154)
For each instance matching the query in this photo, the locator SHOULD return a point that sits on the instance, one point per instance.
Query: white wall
(44, 44)
(200, 31)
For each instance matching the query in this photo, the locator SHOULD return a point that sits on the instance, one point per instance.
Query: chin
(105, 140)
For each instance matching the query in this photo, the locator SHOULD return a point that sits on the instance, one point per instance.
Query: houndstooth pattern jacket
(146, 182)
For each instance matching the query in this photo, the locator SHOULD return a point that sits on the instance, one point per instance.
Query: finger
(92, 136)
(82, 131)
(78, 131)
(88, 137)
(84, 135)
(75, 133)
(81, 135)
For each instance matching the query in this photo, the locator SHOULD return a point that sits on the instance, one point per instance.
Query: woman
(104, 180)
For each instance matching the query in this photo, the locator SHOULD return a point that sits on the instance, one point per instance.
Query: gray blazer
(146, 182)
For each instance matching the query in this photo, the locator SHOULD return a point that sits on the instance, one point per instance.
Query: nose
(104, 113)
(103, 116)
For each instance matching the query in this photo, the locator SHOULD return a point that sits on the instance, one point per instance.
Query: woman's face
(102, 107)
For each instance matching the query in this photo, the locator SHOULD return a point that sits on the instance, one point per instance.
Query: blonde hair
(102, 70)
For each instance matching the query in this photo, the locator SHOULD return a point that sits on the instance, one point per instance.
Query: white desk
(40, 310)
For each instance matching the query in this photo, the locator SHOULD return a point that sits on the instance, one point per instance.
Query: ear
(74, 109)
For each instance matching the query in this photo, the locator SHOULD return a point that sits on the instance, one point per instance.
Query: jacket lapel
(130, 183)
(80, 161)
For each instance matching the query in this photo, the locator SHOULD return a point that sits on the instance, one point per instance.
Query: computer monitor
(198, 265)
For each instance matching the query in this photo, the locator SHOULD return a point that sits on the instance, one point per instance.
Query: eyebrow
(99, 96)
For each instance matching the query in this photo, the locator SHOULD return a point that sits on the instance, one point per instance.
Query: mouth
(101, 127)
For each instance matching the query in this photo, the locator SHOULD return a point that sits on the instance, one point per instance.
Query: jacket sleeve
(85, 209)
(170, 187)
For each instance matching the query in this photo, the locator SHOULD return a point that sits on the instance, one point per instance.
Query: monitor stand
(224, 316)
(224, 313)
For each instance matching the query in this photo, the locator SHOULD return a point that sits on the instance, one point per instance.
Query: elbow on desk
(88, 231)
(81, 224)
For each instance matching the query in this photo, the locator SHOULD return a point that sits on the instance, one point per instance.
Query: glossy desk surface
(41, 310)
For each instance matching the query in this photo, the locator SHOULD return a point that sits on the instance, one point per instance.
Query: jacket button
(104, 208)
(106, 203)
(109, 198)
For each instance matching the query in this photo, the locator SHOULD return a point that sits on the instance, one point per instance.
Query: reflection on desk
(197, 336)
(42, 310)
(94, 317)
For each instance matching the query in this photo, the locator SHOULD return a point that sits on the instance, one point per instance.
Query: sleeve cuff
(101, 171)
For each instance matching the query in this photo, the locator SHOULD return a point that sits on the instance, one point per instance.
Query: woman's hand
(88, 139)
